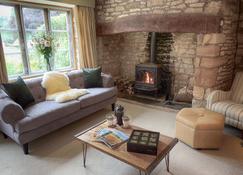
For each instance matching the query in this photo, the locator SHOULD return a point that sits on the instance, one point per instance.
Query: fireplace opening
(148, 75)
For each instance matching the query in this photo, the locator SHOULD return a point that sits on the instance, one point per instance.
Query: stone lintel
(173, 23)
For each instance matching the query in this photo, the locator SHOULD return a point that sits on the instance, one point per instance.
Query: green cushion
(19, 92)
(92, 77)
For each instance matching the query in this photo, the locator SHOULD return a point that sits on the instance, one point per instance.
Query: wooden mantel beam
(173, 23)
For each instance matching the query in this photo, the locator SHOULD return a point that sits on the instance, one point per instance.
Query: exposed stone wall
(209, 66)
(120, 53)
(108, 10)
(176, 53)
(215, 60)
(239, 56)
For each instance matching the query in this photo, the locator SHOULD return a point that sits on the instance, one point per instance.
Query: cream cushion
(200, 128)
(58, 88)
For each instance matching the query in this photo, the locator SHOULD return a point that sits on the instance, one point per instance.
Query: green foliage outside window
(12, 49)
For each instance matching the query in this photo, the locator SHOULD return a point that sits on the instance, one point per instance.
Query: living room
(125, 87)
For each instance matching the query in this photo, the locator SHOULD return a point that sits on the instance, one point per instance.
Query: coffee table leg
(167, 162)
(84, 154)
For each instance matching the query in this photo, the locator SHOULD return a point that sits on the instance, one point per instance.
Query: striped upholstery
(217, 96)
(237, 88)
(229, 103)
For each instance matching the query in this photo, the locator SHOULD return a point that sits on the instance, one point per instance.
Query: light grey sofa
(43, 117)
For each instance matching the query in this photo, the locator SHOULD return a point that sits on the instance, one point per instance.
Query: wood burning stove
(148, 75)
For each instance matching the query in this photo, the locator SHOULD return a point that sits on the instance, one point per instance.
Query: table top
(142, 162)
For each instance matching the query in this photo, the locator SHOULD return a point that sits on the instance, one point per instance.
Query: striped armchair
(229, 103)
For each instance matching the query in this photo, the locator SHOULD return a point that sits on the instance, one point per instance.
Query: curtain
(86, 33)
(3, 69)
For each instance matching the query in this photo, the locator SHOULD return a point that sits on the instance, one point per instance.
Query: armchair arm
(10, 112)
(107, 80)
(217, 95)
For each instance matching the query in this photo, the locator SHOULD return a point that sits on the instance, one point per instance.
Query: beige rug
(60, 154)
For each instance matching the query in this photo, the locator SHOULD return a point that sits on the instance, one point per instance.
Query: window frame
(18, 8)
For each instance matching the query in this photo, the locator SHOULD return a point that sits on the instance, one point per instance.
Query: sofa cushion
(34, 84)
(221, 107)
(76, 79)
(92, 77)
(45, 112)
(19, 92)
(97, 95)
(233, 112)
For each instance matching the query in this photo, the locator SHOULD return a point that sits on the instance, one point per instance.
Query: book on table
(113, 138)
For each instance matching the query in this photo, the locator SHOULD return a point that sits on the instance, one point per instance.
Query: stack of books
(113, 138)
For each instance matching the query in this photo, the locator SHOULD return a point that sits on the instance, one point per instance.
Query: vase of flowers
(45, 46)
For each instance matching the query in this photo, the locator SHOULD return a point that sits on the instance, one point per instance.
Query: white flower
(42, 41)
(47, 43)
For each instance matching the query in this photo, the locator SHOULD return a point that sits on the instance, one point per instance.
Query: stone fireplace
(196, 43)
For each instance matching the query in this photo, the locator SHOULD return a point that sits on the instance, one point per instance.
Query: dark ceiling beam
(174, 23)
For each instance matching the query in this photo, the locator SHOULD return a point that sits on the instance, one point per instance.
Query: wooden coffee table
(143, 162)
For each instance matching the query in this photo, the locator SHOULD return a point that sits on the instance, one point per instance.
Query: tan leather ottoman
(200, 128)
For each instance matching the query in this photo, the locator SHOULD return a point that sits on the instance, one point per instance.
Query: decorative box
(145, 142)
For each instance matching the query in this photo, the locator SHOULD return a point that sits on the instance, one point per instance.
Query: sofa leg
(4, 135)
(26, 148)
(113, 106)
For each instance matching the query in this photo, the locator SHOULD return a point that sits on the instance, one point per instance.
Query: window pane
(58, 20)
(61, 37)
(33, 19)
(34, 23)
(10, 40)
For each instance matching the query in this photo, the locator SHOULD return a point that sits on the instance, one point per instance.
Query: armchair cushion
(232, 111)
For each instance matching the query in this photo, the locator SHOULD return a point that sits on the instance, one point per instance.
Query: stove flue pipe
(153, 47)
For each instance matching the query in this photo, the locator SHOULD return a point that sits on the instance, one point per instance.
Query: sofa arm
(10, 112)
(107, 80)
(216, 96)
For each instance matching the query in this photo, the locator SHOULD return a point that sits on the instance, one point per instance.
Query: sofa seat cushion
(97, 95)
(222, 106)
(233, 111)
(45, 112)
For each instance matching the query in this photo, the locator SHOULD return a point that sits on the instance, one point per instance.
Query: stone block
(193, 10)
(208, 51)
(213, 7)
(205, 77)
(198, 92)
(212, 62)
(215, 38)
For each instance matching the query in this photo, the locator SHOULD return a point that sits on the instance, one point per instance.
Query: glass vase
(49, 66)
